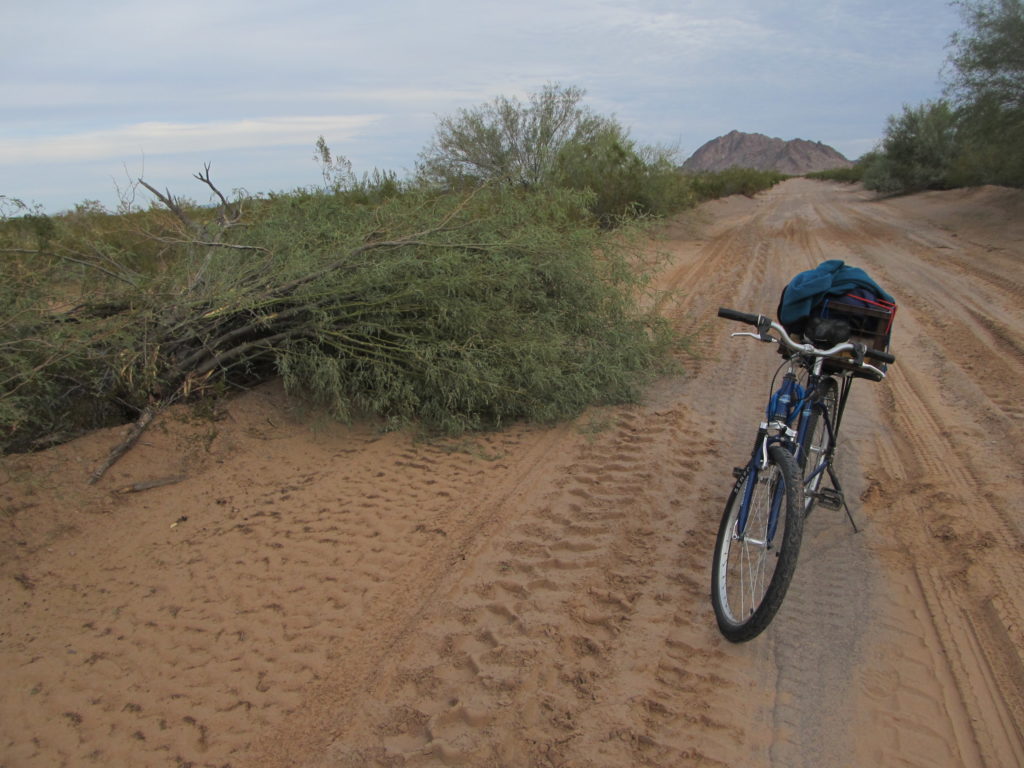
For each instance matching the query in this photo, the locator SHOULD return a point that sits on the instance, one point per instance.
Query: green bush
(975, 137)
(710, 185)
(554, 141)
(495, 295)
(991, 146)
(917, 152)
(521, 311)
(59, 371)
(851, 175)
(457, 311)
(623, 180)
(508, 142)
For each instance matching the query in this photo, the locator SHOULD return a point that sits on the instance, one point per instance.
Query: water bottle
(780, 411)
(784, 401)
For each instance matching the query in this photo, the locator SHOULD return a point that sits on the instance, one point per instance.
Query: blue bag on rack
(834, 303)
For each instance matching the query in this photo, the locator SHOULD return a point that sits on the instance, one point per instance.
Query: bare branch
(154, 409)
(123, 277)
(126, 198)
(171, 204)
(210, 244)
(145, 485)
(134, 433)
(228, 215)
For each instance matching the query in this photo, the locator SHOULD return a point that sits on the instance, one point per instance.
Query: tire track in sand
(952, 682)
(526, 658)
(539, 598)
(974, 635)
(945, 499)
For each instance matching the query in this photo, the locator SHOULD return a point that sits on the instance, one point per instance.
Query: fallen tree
(457, 311)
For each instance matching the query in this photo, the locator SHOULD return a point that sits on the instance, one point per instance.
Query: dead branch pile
(459, 311)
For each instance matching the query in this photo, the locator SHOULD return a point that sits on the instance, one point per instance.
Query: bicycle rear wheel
(754, 564)
(818, 442)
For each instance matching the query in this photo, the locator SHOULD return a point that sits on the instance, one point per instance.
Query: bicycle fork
(749, 477)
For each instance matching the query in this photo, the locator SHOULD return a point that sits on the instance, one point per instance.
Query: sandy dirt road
(308, 594)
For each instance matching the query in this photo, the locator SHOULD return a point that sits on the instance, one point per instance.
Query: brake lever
(858, 354)
(759, 337)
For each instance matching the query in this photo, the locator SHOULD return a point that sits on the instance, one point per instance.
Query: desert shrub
(917, 151)
(987, 56)
(986, 85)
(990, 146)
(554, 140)
(666, 189)
(710, 185)
(624, 180)
(508, 142)
(457, 311)
(483, 291)
(66, 282)
(976, 136)
(851, 175)
(520, 310)
(59, 373)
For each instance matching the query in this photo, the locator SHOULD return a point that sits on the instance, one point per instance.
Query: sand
(264, 587)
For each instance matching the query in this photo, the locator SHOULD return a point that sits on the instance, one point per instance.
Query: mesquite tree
(509, 142)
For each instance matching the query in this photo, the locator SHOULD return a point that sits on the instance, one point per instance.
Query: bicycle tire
(750, 575)
(818, 442)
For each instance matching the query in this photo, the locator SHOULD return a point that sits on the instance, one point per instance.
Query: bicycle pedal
(830, 498)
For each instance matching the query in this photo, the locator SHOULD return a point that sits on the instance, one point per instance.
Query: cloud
(161, 138)
(690, 30)
(94, 85)
(691, 33)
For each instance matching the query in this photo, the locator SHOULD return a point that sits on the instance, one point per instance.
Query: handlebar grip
(735, 314)
(879, 355)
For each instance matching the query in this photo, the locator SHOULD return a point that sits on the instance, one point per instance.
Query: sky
(95, 95)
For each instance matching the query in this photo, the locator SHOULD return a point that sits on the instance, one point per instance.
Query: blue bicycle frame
(782, 407)
(793, 403)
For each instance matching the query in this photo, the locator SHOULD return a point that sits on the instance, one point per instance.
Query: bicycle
(762, 526)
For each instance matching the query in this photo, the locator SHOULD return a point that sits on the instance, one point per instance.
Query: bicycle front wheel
(755, 558)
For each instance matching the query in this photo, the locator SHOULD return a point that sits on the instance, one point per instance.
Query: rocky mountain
(755, 150)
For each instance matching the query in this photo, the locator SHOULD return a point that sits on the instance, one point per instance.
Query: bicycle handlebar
(735, 314)
(764, 324)
(880, 355)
